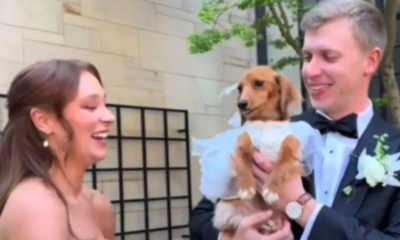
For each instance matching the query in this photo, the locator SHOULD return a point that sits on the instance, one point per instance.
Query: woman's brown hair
(50, 86)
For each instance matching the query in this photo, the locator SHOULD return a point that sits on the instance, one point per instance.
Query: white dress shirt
(329, 173)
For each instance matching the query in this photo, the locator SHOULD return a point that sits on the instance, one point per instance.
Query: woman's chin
(98, 157)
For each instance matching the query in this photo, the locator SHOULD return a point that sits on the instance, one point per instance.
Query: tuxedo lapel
(349, 204)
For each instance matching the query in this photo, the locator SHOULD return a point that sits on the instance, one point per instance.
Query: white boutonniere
(381, 168)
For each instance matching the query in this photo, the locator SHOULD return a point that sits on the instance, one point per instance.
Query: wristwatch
(294, 209)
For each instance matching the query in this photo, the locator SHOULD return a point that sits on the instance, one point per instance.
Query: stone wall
(141, 50)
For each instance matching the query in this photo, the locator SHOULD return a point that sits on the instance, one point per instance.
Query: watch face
(294, 210)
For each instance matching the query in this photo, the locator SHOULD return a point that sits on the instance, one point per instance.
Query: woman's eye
(91, 108)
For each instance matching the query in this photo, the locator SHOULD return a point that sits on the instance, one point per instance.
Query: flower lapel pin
(381, 168)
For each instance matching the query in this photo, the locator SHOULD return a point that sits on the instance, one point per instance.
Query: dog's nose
(242, 105)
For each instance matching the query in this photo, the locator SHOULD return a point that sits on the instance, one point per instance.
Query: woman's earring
(45, 143)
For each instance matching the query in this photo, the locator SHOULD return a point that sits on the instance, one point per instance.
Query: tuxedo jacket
(367, 214)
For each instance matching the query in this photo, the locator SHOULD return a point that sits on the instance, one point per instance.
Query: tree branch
(386, 66)
(285, 34)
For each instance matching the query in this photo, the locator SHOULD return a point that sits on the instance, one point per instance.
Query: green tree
(277, 14)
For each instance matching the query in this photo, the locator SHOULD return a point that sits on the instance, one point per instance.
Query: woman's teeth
(100, 135)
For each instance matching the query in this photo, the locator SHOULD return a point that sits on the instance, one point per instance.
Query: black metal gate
(144, 208)
(145, 223)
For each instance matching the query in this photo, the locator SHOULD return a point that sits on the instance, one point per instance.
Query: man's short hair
(368, 22)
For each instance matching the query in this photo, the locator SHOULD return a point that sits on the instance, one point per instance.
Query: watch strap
(304, 198)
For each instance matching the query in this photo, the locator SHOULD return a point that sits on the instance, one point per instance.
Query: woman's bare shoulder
(33, 205)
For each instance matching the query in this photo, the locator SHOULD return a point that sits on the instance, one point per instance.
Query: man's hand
(289, 191)
(247, 229)
(261, 168)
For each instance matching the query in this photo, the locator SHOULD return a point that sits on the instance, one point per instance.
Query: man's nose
(242, 104)
(311, 69)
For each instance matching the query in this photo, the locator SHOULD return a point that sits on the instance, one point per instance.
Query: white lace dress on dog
(217, 177)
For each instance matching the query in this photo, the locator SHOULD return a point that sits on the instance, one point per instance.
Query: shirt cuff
(310, 222)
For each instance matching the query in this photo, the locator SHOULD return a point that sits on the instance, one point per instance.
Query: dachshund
(263, 96)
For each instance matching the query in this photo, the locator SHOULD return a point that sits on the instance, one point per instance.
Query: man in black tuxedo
(344, 43)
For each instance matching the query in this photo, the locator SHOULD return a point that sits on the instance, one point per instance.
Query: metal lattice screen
(146, 173)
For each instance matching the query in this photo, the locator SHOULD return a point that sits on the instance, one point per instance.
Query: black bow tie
(347, 126)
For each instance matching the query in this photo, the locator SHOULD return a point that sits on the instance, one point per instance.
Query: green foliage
(216, 33)
(381, 102)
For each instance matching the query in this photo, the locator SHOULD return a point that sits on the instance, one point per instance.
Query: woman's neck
(69, 178)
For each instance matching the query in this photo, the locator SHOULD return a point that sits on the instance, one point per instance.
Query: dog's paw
(269, 196)
(246, 194)
(271, 226)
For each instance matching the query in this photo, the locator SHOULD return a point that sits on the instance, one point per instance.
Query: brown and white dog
(264, 96)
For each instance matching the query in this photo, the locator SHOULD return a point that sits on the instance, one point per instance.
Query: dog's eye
(259, 83)
(239, 88)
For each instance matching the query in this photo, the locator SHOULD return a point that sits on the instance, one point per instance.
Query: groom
(344, 43)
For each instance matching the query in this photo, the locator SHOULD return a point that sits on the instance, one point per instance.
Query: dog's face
(265, 95)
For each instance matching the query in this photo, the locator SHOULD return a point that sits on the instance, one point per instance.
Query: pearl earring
(45, 143)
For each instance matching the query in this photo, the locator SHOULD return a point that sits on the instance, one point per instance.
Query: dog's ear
(288, 95)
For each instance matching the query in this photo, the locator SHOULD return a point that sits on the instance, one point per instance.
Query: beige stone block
(8, 70)
(111, 159)
(177, 233)
(210, 91)
(170, 3)
(156, 184)
(125, 12)
(144, 84)
(40, 36)
(155, 153)
(171, 55)
(205, 126)
(154, 121)
(71, 1)
(173, 26)
(111, 67)
(238, 53)
(135, 97)
(82, 38)
(176, 121)
(158, 215)
(132, 153)
(133, 184)
(40, 14)
(131, 62)
(131, 122)
(120, 40)
(195, 5)
(177, 13)
(178, 182)
(143, 79)
(136, 236)
(80, 21)
(234, 73)
(182, 93)
(3, 113)
(177, 154)
(236, 61)
(10, 42)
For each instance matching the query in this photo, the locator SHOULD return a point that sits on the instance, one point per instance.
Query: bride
(57, 128)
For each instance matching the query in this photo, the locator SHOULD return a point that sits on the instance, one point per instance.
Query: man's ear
(288, 95)
(42, 120)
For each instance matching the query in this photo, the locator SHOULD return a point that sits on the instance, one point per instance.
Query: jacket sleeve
(332, 225)
(200, 222)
